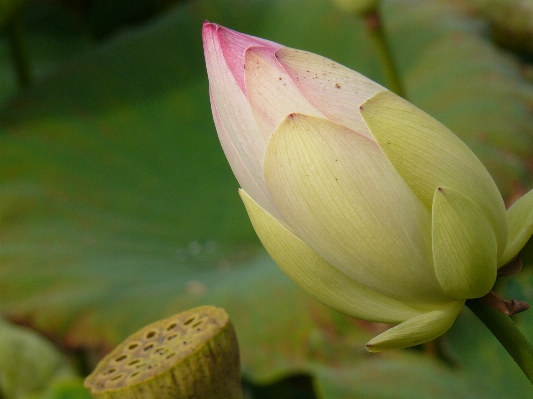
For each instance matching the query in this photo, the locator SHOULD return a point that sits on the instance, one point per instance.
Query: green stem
(19, 51)
(505, 330)
(375, 29)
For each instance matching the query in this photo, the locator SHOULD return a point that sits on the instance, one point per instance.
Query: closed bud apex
(193, 354)
(364, 200)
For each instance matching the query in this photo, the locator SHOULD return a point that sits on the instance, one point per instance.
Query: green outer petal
(464, 246)
(428, 155)
(417, 330)
(337, 192)
(318, 277)
(520, 225)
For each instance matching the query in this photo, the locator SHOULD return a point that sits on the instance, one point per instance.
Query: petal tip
(207, 27)
(208, 34)
(417, 330)
(372, 348)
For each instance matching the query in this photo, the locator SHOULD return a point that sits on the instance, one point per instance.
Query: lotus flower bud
(364, 200)
(193, 354)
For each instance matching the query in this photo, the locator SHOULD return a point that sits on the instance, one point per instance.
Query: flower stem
(505, 330)
(375, 29)
(19, 51)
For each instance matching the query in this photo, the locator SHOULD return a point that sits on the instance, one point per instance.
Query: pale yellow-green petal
(318, 277)
(333, 89)
(338, 193)
(249, 174)
(417, 330)
(428, 155)
(464, 246)
(520, 227)
(270, 91)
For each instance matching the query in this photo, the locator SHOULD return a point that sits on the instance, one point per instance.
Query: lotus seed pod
(193, 354)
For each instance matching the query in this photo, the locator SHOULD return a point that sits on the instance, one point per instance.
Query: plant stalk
(506, 331)
(375, 29)
(19, 52)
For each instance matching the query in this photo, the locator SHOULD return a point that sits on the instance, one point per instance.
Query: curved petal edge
(417, 330)
(520, 227)
(428, 155)
(342, 197)
(318, 277)
(464, 246)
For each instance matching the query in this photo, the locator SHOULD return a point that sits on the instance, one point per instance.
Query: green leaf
(71, 388)
(8, 8)
(117, 206)
(50, 37)
(400, 375)
(29, 364)
(484, 360)
(456, 76)
(511, 22)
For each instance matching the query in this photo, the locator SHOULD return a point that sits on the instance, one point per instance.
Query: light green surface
(118, 207)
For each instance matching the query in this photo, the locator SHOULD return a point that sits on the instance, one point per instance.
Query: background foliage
(117, 206)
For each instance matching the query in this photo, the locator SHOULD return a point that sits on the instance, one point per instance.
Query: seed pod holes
(157, 349)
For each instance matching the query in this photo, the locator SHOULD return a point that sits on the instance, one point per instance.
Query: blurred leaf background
(118, 208)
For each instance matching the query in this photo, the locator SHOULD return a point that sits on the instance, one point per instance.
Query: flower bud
(364, 200)
(193, 354)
